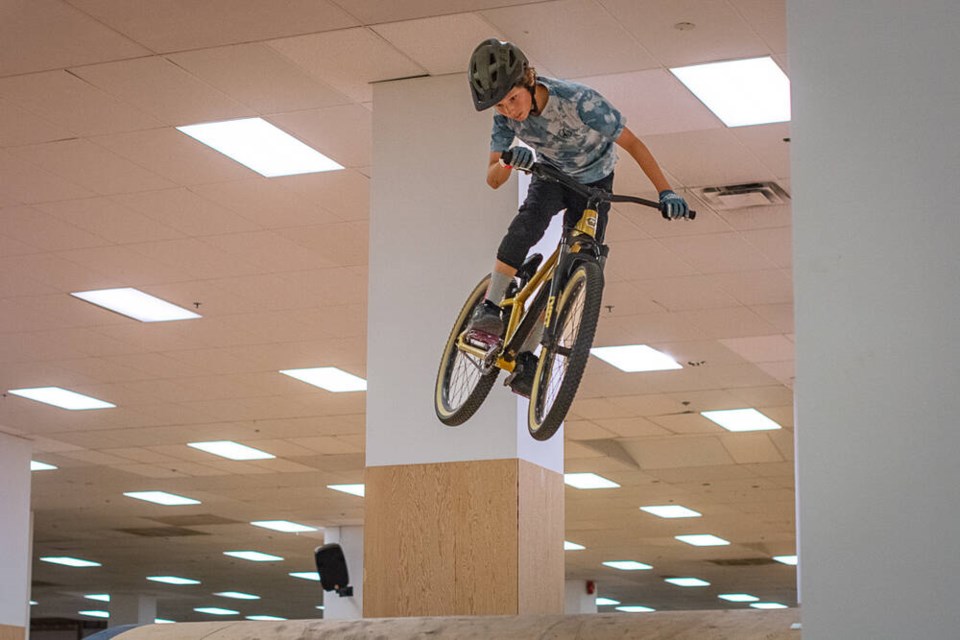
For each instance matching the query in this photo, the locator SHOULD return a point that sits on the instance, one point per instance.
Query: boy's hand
(673, 206)
(522, 158)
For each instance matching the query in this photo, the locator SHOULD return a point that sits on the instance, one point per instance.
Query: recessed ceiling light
(237, 595)
(703, 540)
(604, 602)
(329, 378)
(319, 606)
(284, 526)
(216, 611)
(741, 420)
(34, 603)
(264, 618)
(253, 556)
(687, 582)
(791, 560)
(740, 92)
(627, 565)
(306, 575)
(636, 357)
(259, 145)
(634, 608)
(102, 597)
(63, 398)
(161, 497)
(588, 481)
(70, 562)
(671, 511)
(231, 450)
(768, 605)
(163, 621)
(36, 465)
(738, 597)
(136, 304)
(95, 613)
(352, 489)
(173, 580)
(572, 546)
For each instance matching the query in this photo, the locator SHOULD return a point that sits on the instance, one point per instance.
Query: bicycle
(566, 292)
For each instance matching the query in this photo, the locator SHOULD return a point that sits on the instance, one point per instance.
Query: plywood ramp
(8, 632)
(679, 625)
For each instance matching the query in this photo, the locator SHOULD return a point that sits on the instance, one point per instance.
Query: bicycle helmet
(495, 68)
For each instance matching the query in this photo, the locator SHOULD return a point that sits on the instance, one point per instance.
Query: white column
(435, 227)
(350, 539)
(132, 608)
(578, 599)
(876, 156)
(15, 531)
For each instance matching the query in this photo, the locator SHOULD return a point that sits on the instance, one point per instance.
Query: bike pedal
(483, 339)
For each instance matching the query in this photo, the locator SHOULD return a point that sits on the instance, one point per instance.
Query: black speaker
(332, 567)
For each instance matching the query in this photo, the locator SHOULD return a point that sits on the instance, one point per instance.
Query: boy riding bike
(571, 127)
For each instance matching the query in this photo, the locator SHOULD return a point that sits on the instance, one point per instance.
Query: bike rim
(462, 377)
(555, 369)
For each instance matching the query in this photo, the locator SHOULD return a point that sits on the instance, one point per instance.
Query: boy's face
(516, 105)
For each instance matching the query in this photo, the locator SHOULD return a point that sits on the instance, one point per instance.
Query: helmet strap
(535, 109)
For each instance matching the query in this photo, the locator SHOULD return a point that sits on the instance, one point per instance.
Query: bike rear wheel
(561, 365)
(462, 386)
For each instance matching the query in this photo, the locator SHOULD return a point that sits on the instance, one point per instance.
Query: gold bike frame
(586, 226)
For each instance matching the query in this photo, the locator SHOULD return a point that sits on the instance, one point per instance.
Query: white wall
(350, 539)
(876, 160)
(15, 530)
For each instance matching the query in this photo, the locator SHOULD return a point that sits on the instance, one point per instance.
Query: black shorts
(544, 199)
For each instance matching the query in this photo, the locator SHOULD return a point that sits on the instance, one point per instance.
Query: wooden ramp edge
(747, 624)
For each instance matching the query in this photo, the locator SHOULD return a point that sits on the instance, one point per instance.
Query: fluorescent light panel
(259, 145)
(604, 602)
(627, 565)
(741, 420)
(161, 497)
(634, 608)
(352, 489)
(329, 378)
(740, 92)
(36, 465)
(95, 613)
(216, 611)
(231, 450)
(572, 546)
(265, 618)
(63, 398)
(671, 511)
(588, 481)
(163, 621)
(173, 580)
(768, 605)
(284, 526)
(687, 582)
(703, 540)
(237, 595)
(791, 560)
(71, 562)
(253, 556)
(738, 597)
(102, 597)
(136, 304)
(306, 575)
(633, 358)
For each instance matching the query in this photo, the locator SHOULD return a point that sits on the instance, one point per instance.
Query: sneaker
(521, 380)
(487, 318)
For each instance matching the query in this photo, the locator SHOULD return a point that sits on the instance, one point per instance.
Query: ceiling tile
(768, 19)
(265, 203)
(90, 166)
(21, 182)
(718, 253)
(775, 243)
(259, 77)
(732, 322)
(751, 448)
(342, 133)
(46, 232)
(344, 194)
(69, 38)
(20, 127)
(185, 211)
(642, 259)
(691, 157)
(109, 220)
(163, 90)
(376, 11)
(673, 452)
(349, 60)
(720, 33)
(756, 287)
(690, 292)
(595, 42)
(440, 44)
(762, 349)
(770, 144)
(174, 25)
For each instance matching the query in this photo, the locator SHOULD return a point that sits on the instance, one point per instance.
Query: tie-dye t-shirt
(576, 132)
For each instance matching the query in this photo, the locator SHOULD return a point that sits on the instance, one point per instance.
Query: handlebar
(547, 172)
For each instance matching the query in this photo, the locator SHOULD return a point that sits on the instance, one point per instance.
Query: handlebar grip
(507, 156)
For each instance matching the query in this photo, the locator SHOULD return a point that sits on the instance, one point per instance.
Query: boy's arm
(497, 173)
(632, 145)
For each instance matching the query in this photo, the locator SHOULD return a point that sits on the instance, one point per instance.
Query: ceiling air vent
(740, 196)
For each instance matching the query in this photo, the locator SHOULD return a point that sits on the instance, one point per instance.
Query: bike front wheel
(562, 364)
(462, 385)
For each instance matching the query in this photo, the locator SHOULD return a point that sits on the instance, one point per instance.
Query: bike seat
(529, 267)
